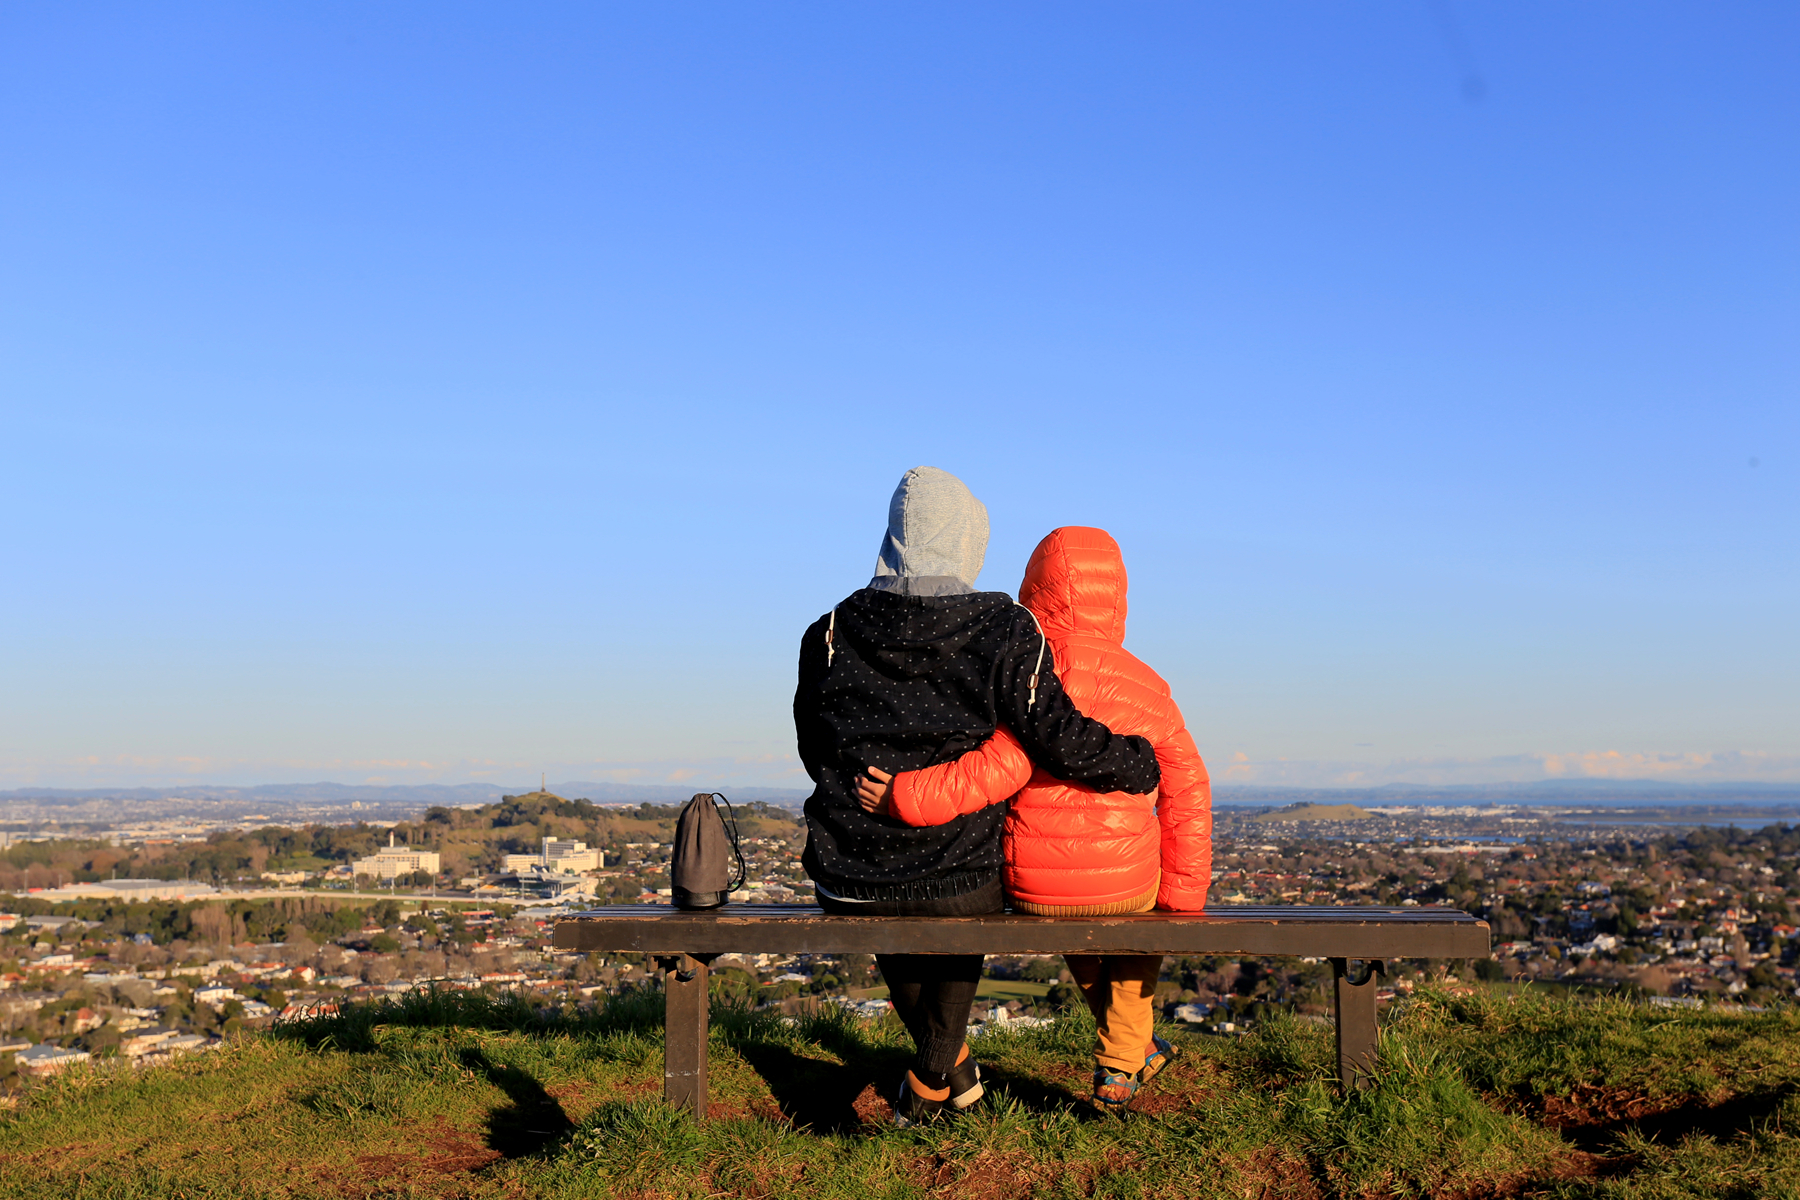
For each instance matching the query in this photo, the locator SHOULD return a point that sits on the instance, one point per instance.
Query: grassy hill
(472, 838)
(460, 1095)
(1316, 812)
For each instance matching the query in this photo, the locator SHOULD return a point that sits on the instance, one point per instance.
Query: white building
(146, 1041)
(47, 1059)
(556, 858)
(132, 889)
(392, 860)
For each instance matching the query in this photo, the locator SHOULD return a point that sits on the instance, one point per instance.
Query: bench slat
(1322, 932)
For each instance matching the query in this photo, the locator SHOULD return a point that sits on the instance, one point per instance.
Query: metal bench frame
(1357, 941)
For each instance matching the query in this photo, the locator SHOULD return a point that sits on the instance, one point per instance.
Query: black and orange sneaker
(911, 1109)
(965, 1084)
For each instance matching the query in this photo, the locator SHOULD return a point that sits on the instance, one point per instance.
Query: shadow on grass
(1037, 1095)
(812, 1091)
(822, 1096)
(1600, 1132)
(816, 1095)
(531, 1120)
(355, 1027)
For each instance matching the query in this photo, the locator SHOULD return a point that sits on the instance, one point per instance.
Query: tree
(734, 984)
(1763, 975)
(858, 969)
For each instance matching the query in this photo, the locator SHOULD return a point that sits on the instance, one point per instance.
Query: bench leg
(684, 1033)
(1356, 1041)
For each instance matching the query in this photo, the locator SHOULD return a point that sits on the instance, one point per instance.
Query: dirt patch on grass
(1573, 1167)
(1592, 1117)
(1180, 1087)
(1274, 1174)
(440, 1160)
(869, 1107)
(1590, 1105)
(762, 1108)
(987, 1176)
(993, 1175)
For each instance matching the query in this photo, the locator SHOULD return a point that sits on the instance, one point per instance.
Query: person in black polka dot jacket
(908, 672)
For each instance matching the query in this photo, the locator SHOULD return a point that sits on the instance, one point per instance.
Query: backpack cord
(735, 848)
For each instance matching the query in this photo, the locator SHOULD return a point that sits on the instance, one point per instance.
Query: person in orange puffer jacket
(1070, 851)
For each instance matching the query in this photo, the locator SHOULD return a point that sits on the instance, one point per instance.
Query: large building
(133, 889)
(392, 860)
(556, 858)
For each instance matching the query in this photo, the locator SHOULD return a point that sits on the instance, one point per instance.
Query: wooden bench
(1357, 941)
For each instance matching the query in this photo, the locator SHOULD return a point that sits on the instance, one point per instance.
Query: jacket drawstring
(831, 639)
(1037, 670)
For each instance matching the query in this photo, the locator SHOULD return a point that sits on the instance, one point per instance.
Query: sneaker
(911, 1109)
(1113, 1090)
(1157, 1059)
(965, 1084)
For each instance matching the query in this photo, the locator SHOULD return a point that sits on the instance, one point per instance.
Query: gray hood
(936, 537)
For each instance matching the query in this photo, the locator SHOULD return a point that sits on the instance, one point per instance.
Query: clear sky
(446, 392)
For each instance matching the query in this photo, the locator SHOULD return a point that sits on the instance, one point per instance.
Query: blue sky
(448, 392)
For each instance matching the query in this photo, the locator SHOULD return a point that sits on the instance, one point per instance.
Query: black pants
(931, 993)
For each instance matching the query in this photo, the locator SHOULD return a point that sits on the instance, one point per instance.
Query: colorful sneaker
(1113, 1090)
(1157, 1059)
(965, 1084)
(911, 1109)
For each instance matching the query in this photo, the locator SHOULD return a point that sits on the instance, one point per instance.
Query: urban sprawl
(142, 944)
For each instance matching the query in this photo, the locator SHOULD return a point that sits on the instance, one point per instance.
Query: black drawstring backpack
(700, 868)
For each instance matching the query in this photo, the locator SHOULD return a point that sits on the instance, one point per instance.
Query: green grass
(463, 1095)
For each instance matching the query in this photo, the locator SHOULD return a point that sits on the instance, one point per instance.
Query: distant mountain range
(347, 801)
(1546, 791)
(423, 795)
(207, 806)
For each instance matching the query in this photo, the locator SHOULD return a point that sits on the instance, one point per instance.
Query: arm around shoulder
(986, 775)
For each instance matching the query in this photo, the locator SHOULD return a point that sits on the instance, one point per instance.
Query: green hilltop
(1316, 812)
(1481, 1093)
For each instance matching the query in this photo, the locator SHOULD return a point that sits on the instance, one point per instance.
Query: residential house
(45, 1059)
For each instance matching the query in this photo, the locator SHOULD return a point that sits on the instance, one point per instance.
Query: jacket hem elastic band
(919, 889)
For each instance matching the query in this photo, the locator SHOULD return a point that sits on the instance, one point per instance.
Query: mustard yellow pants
(1120, 990)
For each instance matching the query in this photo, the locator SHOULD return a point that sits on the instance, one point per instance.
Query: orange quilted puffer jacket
(1067, 846)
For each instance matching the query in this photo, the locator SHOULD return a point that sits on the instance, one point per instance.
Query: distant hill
(291, 803)
(421, 794)
(1541, 792)
(1316, 812)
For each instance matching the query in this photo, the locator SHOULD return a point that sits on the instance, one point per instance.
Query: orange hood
(1075, 584)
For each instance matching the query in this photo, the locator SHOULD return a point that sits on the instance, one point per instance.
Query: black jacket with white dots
(902, 682)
